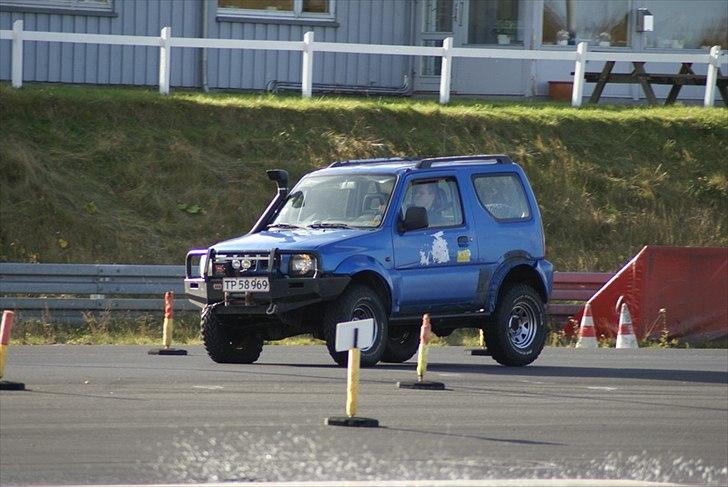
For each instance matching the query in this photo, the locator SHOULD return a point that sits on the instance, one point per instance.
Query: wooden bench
(570, 287)
(685, 77)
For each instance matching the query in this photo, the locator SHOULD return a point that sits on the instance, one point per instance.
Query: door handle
(463, 241)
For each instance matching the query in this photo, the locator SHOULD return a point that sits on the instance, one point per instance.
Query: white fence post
(17, 62)
(579, 70)
(710, 79)
(307, 68)
(445, 71)
(165, 52)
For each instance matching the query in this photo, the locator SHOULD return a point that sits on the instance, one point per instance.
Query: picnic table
(684, 77)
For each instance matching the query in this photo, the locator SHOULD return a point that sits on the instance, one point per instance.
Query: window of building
(601, 23)
(503, 196)
(277, 8)
(87, 5)
(495, 22)
(688, 25)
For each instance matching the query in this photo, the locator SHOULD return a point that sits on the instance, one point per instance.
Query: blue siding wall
(104, 64)
(376, 21)
(367, 22)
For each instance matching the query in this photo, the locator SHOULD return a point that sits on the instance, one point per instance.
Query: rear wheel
(228, 345)
(402, 344)
(517, 331)
(358, 302)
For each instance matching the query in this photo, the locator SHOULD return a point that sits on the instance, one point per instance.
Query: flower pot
(504, 39)
(560, 90)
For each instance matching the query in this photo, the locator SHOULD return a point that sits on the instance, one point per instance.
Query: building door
(495, 24)
(434, 23)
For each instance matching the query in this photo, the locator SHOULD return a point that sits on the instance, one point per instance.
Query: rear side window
(503, 196)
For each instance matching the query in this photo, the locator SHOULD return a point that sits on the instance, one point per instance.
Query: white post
(713, 63)
(17, 63)
(579, 70)
(445, 71)
(165, 52)
(307, 68)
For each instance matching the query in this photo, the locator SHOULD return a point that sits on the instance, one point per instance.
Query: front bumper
(286, 294)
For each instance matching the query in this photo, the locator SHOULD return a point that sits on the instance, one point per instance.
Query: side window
(503, 196)
(441, 199)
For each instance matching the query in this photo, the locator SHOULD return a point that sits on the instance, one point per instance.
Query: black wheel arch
(517, 271)
(378, 284)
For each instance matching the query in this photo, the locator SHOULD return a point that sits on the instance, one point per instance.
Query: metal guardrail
(64, 292)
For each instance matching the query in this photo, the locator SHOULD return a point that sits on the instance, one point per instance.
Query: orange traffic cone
(587, 336)
(625, 334)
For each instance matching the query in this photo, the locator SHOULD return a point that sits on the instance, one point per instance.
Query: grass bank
(112, 175)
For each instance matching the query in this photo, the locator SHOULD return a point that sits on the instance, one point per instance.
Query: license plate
(245, 285)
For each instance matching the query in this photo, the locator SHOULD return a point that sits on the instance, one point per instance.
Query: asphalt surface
(113, 414)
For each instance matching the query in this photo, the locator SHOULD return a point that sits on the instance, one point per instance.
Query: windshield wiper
(284, 225)
(328, 225)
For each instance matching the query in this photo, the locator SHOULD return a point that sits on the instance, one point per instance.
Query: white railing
(308, 47)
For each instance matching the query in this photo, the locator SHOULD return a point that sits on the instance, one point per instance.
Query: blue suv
(458, 237)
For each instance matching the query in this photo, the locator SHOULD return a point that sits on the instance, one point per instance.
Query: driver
(428, 196)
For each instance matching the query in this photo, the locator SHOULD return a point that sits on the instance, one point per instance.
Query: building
(679, 26)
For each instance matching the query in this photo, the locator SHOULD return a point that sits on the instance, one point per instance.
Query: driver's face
(424, 195)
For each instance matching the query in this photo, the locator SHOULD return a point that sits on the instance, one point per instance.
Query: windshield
(341, 201)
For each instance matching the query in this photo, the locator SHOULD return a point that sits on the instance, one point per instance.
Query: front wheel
(516, 333)
(227, 345)
(358, 302)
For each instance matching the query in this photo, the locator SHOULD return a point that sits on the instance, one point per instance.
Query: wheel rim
(362, 311)
(522, 324)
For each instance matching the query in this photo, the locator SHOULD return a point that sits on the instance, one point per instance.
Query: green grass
(114, 175)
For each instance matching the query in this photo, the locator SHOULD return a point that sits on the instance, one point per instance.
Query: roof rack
(380, 160)
(475, 159)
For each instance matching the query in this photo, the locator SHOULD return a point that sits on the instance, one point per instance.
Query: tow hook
(272, 308)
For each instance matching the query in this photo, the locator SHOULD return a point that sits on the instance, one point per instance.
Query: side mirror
(280, 176)
(415, 218)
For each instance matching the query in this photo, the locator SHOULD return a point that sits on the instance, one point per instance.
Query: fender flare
(510, 261)
(356, 264)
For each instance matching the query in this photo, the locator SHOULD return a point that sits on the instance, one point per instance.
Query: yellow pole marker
(352, 336)
(5, 327)
(352, 382)
(421, 383)
(168, 319)
(422, 351)
(167, 329)
(481, 350)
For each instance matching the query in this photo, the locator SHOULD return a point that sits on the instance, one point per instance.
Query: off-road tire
(402, 344)
(516, 333)
(226, 345)
(356, 302)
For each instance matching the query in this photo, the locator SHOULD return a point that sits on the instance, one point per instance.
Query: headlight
(203, 265)
(301, 265)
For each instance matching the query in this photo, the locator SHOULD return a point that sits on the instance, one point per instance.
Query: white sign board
(354, 334)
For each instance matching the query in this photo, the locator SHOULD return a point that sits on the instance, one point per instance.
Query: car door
(435, 265)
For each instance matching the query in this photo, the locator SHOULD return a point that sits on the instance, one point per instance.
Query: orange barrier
(679, 289)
